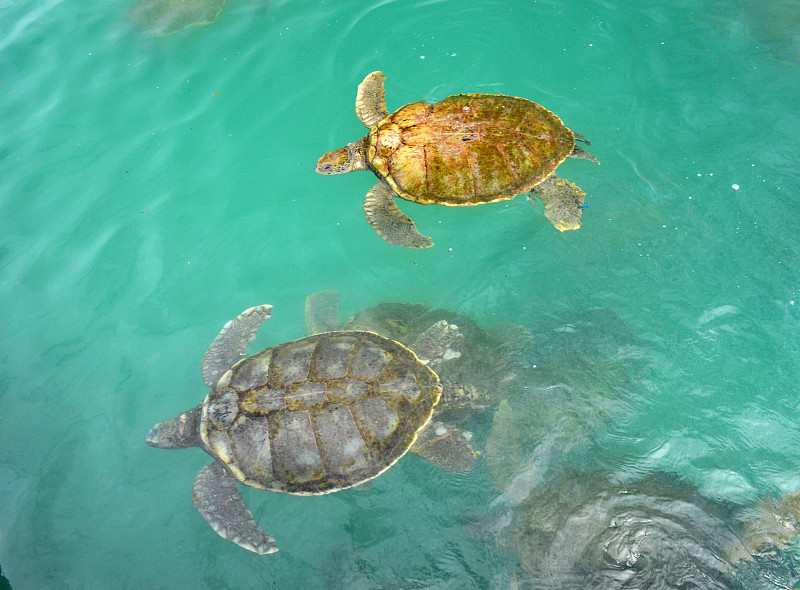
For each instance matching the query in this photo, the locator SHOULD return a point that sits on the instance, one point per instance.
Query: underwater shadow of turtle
(167, 17)
(467, 149)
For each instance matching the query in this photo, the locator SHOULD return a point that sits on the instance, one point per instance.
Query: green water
(152, 188)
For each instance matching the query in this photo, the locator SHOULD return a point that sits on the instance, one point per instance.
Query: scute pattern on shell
(468, 149)
(319, 414)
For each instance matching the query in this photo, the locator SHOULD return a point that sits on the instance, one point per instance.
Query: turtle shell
(319, 414)
(468, 149)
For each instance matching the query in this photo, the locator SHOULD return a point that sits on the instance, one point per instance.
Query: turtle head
(350, 157)
(178, 433)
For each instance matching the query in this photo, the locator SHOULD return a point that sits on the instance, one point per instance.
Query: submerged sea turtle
(4, 583)
(773, 523)
(467, 149)
(165, 17)
(313, 416)
(774, 25)
(486, 371)
(582, 371)
(655, 532)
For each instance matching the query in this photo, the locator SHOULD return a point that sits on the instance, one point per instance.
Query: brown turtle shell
(319, 414)
(468, 149)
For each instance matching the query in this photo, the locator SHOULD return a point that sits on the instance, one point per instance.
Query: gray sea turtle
(4, 583)
(772, 523)
(166, 17)
(313, 416)
(581, 370)
(467, 149)
(656, 532)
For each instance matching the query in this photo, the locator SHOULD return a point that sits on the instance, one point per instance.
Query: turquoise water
(152, 188)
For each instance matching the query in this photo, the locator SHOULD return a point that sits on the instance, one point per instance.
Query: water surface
(154, 187)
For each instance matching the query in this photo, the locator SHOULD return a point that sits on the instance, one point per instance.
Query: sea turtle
(486, 371)
(774, 25)
(579, 372)
(166, 17)
(654, 530)
(766, 550)
(467, 149)
(584, 530)
(313, 416)
(4, 583)
(772, 523)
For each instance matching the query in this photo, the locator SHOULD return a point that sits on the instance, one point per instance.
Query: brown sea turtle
(467, 149)
(313, 416)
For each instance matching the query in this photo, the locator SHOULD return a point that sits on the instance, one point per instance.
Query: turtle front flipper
(322, 311)
(563, 202)
(583, 154)
(229, 347)
(371, 99)
(389, 222)
(439, 343)
(448, 447)
(218, 500)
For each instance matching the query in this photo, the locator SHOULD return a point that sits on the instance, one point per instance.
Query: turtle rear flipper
(371, 99)
(219, 501)
(563, 202)
(322, 311)
(229, 347)
(580, 137)
(389, 222)
(448, 447)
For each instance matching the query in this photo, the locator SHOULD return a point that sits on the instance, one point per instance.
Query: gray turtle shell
(319, 414)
